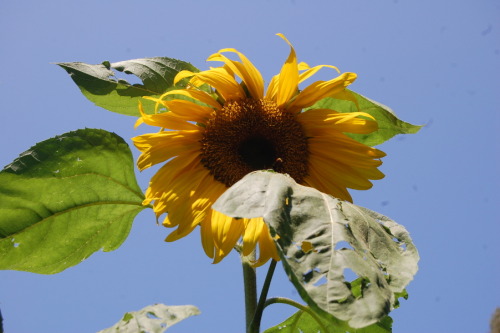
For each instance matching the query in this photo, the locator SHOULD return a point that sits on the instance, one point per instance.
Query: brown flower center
(250, 135)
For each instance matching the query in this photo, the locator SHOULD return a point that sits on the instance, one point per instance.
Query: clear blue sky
(434, 62)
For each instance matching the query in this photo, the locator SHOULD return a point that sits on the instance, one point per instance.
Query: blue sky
(433, 62)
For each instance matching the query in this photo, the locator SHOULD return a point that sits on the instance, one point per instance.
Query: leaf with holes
(153, 319)
(301, 321)
(99, 84)
(66, 198)
(389, 124)
(346, 261)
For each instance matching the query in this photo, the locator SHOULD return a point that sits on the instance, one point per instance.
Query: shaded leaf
(302, 322)
(153, 319)
(66, 198)
(100, 85)
(345, 242)
(389, 124)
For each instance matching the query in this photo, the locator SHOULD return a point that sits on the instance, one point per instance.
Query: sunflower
(225, 125)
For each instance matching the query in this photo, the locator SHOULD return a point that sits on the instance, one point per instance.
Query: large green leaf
(326, 244)
(301, 321)
(66, 198)
(153, 319)
(389, 124)
(99, 84)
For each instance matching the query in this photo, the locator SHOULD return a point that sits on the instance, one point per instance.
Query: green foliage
(66, 198)
(302, 322)
(153, 319)
(389, 124)
(99, 84)
(325, 245)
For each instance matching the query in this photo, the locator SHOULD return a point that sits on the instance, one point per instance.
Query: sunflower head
(250, 135)
(225, 124)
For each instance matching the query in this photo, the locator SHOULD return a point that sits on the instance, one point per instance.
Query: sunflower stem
(250, 285)
(255, 324)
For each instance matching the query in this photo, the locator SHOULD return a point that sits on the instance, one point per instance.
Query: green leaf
(100, 85)
(389, 124)
(301, 321)
(66, 198)
(326, 244)
(398, 295)
(153, 319)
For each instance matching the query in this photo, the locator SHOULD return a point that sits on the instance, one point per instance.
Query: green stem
(298, 306)
(250, 285)
(255, 324)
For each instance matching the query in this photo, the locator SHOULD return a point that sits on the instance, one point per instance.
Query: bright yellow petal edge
(185, 187)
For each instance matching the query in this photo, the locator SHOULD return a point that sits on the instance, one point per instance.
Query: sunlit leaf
(347, 242)
(302, 322)
(66, 198)
(100, 85)
(153, 319)
(389, 124)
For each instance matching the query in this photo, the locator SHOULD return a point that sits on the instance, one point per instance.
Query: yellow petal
(327, 185)
(166, 120)
(253, 229)
(303, 66)
(203, 197)
(178, 195)
(267, 247)
(160, 182)
(319, 90)
(219, 255)
(361, 157)
(226, 231)
(245, 70)
(288, 80)
(311, 71)
(272, 88)
(138, 122)
(204, 193)
(344, 174)
(182, 75)
(222, 81)
(333, 120)
(159, 147)
(346, 95)
(186, 220)
(207, 238)
(176, 235)
(197, 95)
(189, 110)
(158, 102)
(336, 140)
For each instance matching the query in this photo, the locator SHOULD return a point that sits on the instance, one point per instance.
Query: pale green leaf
(66, 198)
(326, 244)
(389, 124)
(302, 322)
(153, 319)
(101, 86)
